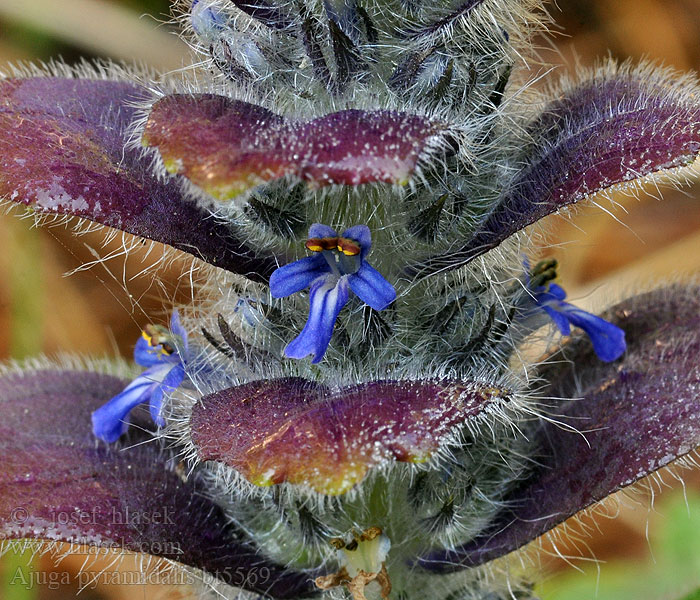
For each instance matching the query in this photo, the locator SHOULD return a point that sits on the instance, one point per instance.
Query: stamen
(348, 247)
(321, 244)
(543, 272)
(362, 560)
(157, 335)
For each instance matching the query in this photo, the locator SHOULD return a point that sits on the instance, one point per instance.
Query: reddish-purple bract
(57, 483)
(228, 146)
(295, 431)
(635, 416)
(62, 151)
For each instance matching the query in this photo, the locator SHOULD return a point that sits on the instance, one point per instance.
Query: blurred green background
(640, 555)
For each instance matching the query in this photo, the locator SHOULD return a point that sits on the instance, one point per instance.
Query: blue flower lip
(158, 350)
(608, 340)
(337, 266)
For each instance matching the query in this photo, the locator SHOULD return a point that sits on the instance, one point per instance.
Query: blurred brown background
(602, 258)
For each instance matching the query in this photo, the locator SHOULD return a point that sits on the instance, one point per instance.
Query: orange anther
(321, 244)
(157, 335)
(348, 247)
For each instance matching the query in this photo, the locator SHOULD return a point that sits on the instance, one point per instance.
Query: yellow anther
(157, 335)
(338, 543)
(321, 244)
(311, 245)
(348, 247)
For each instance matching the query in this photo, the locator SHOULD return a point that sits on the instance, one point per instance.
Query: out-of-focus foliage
(670, 569)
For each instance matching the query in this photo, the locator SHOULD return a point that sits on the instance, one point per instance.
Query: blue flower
(206, 21)
(608, 340)
(337, 266)
(156, 349)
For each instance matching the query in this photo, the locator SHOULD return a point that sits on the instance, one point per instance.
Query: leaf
(445, 22)
(268, 14)
(636, 415)
(611, 131)
(227, 146)
(62, 151)
(300, 432)
(310, 38)
(348, 60)
(59, 484)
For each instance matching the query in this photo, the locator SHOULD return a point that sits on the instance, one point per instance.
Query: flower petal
(147, 355)
(301, 432)
(173, 378)
(362, 235)
(327, 297)
(171, 382)
(177, 329)
(155, 405)
(227, 147)
(111, 420)
(637, 416)
(56, 484)
(319, 230)
(64, 152)
(297, 276)
(556, 292)
(608, 340)
(207, 21)
(560, 320)
(371, 287)
(614, 129)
